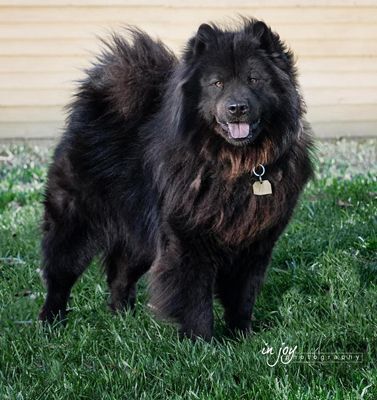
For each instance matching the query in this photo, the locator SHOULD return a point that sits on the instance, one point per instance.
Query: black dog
(155, 171)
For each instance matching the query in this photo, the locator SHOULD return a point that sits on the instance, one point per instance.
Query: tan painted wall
(44, 43)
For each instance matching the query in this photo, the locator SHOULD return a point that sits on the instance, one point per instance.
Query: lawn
(320, 295)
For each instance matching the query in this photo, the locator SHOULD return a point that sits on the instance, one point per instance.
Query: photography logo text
(287, 354)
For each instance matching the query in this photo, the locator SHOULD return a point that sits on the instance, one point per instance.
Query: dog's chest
(246, 207)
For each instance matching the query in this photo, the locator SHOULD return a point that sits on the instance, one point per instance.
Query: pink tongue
(238, 130)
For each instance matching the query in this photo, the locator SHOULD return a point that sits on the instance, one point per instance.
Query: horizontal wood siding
(45, 44)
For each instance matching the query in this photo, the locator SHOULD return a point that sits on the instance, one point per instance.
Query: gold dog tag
(261, 188)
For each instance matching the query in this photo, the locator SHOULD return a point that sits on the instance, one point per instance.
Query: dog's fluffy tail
(128, 77)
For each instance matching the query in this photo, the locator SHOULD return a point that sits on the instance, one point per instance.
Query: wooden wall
(45, 43)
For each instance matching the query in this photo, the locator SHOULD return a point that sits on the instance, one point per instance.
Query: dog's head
(241, 83)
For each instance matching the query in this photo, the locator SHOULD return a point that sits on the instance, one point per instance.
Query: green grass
(320, 295)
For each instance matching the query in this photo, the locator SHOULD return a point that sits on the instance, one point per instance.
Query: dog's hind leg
(123, 272)
(66, 250)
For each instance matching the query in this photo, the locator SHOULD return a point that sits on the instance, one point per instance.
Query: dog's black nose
(238, 109)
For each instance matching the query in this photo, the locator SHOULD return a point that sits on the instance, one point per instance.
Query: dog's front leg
(182, 281)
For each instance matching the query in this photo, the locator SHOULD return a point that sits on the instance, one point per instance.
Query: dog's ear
(203, 39)
(270, 41)
(262, 35)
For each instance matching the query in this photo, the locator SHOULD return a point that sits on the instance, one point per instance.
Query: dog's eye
(253, 81)
(219, 84)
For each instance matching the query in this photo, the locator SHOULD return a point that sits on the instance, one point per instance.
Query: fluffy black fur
(154, 171)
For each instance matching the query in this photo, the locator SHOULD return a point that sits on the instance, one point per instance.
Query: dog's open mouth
(239, 130)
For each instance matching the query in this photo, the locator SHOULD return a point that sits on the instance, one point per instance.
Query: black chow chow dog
(158, 169)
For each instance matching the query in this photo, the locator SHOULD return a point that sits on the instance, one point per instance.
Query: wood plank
(31, 114)
(341, 113)
(345, 129)
(337, 64)
(47, 80)
(37, 97)
(78, 31)
(77, 47)
(334, 48)
(196, 3)
(24, 63)
(82, 3)
(103, 15)
(338, 80)
(348, 95)
(191, 15)
(28, 130)
(50, 47)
